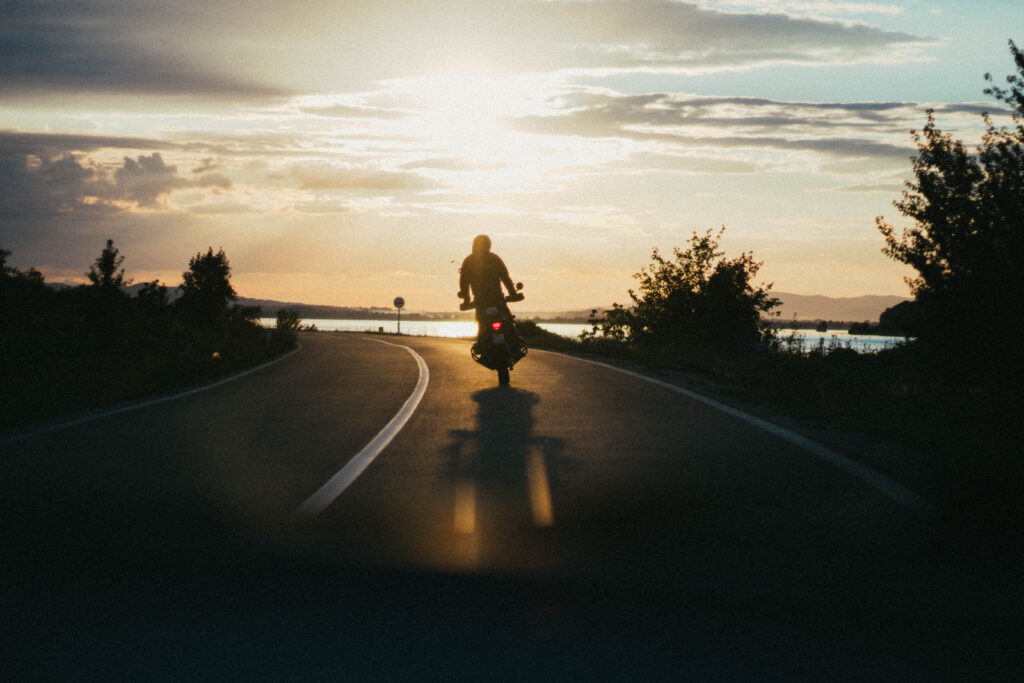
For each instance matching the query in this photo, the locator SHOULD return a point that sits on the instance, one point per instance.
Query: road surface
(581, 522)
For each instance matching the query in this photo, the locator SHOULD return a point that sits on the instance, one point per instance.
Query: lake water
(421, 328)
(865, 343)
(809, 339)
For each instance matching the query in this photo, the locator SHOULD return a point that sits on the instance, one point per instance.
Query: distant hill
(311, 311)
(801, 306)
(852, 309)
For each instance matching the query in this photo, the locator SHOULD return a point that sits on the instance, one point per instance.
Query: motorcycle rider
(481, 276)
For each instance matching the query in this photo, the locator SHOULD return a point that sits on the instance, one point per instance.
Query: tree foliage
(206, 290)
(76, 348)
(696, 300)
(11, 277)
(967, 238)
(106, 272)
(153, 296)
(23, 295)
(288, 319)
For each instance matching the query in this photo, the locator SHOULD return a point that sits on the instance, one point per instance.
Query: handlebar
(511, 298)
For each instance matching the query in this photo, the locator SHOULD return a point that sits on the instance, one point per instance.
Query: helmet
(481, 244)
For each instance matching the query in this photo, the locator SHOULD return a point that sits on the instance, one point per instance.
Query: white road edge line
(337, 484)
(92, 417)
(880, 482)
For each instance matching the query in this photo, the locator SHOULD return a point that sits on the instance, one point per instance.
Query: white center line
(334, 486)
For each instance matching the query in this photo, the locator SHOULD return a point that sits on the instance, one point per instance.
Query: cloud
(675, 163)
(883, 188)
(844, 130)
(816, 8)
(449, 164)
(148, 179)
(207, 166)
(44, 176)
(260, 48)
(222, 208)
(602, 108)
(609, 36)
(97, 46)
(343, 111)
(321, 177)
(52, 144)
(43, 186)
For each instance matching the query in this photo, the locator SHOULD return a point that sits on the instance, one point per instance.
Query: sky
(346, 152)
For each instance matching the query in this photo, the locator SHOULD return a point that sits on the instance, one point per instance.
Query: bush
(967, 244)
(288, 319)
(696, 304)
(85, 347)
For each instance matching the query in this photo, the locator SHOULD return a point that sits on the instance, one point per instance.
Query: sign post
(399, 303)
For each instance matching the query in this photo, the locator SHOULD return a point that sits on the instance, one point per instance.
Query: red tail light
(496, 325)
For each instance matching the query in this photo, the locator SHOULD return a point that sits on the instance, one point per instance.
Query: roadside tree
(153, 296)
(967, 239)
(288, 319)
(106, 272)
(206, 290)
(23, 294)
(698, 300)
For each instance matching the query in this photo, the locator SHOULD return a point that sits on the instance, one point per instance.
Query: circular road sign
(399, 302)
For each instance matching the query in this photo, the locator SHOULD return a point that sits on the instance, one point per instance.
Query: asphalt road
(580, 523)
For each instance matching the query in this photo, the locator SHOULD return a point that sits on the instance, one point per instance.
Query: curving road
(584, 506)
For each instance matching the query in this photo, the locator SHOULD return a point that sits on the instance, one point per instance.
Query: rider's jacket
(483, 273)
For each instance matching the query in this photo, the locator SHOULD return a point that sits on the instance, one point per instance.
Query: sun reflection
(465, 507)
(540, 491)
(500, 484)
(465, 551)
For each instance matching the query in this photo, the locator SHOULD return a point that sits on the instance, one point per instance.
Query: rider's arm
(505, 278)
(464, 282)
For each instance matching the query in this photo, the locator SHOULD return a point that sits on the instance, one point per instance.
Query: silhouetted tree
(153, 296)
(22, 294)
(106, 273)
(76, 348)
(901, 319)
(699, 299)
(288, 319)
(206, 291)
(30, 277)
(967, 241)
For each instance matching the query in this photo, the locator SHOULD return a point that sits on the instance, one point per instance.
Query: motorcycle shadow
(504, 474)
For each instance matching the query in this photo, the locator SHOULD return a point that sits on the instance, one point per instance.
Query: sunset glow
(346, 153)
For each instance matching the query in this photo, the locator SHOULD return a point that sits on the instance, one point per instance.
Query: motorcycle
(498, 346)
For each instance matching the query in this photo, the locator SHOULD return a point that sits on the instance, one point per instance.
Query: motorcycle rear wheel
(503, 377)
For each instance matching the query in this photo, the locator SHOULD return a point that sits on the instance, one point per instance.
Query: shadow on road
(502, 473)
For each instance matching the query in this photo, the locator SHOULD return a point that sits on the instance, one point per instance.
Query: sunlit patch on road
(500, 481)
(540, 491)
(465, 507)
